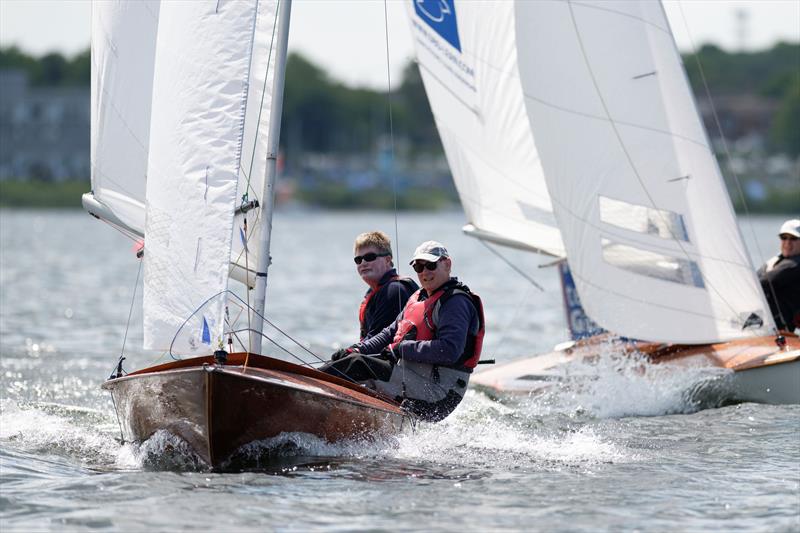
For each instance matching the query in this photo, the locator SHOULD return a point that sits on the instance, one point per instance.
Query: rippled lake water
(623, 452)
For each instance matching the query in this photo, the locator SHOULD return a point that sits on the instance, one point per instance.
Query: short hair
(378, 239)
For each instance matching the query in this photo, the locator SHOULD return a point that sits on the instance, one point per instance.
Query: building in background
(44, 131)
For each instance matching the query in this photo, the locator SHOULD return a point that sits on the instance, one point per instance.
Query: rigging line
(258, 314)
(391, 128)
(263, 92)
(247, 292)
(728, 157)
(394, 173)
(265, 319)
(628, 157)
(130, 311)
(246, 90)
(273, 341)
(512, 265)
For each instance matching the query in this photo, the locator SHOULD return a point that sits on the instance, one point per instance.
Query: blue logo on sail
(206, 333)
(440, 15)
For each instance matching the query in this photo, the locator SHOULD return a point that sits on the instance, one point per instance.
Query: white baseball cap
(791, 227)
(430, 251)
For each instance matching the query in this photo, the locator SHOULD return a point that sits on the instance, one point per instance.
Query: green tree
(785, 132)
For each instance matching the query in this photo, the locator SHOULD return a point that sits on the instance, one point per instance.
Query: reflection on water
(606, 446)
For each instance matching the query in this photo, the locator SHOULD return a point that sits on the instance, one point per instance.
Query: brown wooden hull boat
(762, 371)
(218, 408)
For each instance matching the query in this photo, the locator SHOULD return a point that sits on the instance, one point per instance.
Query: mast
(268, 194)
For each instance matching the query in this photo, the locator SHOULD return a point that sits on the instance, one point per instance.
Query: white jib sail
(204, 143)
(469, 65)
(123, 52)
(650, 233)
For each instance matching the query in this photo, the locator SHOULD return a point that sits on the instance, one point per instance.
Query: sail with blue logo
(467, 57)
(570, 130)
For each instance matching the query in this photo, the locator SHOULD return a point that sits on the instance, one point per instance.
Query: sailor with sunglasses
(425, 357)
(387, 293)
(780, 278)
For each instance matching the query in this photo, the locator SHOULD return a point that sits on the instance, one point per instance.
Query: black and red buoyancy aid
(423, 314)
(362, 310)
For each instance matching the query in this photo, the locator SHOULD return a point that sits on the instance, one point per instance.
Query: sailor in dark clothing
(780, 278)
(387, 293)
(425, 357)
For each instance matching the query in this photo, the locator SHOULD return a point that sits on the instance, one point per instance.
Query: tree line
(323, 115)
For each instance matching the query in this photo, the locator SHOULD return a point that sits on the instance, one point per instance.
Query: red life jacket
(423, 314)
(362, 310)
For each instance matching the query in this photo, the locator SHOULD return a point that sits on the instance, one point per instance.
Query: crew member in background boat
(780, 278)
(425, 357)
(387, 293)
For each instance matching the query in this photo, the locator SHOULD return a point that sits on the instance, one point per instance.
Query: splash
(162, 451)
(616, 385)
(49, 428)
(481, 436)
(483, 432)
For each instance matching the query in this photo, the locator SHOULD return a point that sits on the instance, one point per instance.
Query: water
(611, 453)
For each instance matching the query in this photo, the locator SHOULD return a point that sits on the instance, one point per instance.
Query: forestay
(210, 112)
(123, 52)
(469, 65)
(649, 230)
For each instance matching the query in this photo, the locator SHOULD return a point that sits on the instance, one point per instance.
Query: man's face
(431, 280)
(372, 271)
(790, 245)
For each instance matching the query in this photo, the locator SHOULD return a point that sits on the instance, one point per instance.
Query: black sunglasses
(787, 237)
(419, 267)
(370, 257)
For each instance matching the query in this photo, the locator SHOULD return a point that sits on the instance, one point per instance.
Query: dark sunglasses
(786, 237)
(369, 258)
(419, 267)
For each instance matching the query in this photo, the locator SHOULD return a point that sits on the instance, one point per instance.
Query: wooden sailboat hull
(219, 408)
(762, 371)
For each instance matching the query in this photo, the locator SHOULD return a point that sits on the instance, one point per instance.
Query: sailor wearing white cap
(424, 359)
(780, 278)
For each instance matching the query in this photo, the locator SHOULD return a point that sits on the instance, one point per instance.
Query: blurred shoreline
(67, 194)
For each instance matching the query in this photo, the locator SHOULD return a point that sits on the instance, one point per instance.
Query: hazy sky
(347, 36)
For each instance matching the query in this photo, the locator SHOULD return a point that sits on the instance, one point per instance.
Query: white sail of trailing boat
(185, 125)
(123, 55)
(582, 110)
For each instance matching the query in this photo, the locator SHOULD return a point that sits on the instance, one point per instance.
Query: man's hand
(344, 352)
(388, 354)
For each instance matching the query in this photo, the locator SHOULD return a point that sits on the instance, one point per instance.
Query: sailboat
(571, 131)
(186, 107)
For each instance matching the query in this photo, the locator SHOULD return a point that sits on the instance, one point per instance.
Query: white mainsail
(650, 233)
(646, 223)
(210, 113)
(123, 52)
(468, 61)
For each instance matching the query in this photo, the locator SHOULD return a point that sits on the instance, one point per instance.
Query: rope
(130, 311)
(394, 174)
(247, 292)
(512, 265)
(728, 157)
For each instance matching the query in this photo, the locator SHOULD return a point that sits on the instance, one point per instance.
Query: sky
(323, 30)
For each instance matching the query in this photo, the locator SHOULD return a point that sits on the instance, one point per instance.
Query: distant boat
(571, 131)
(186, 106)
